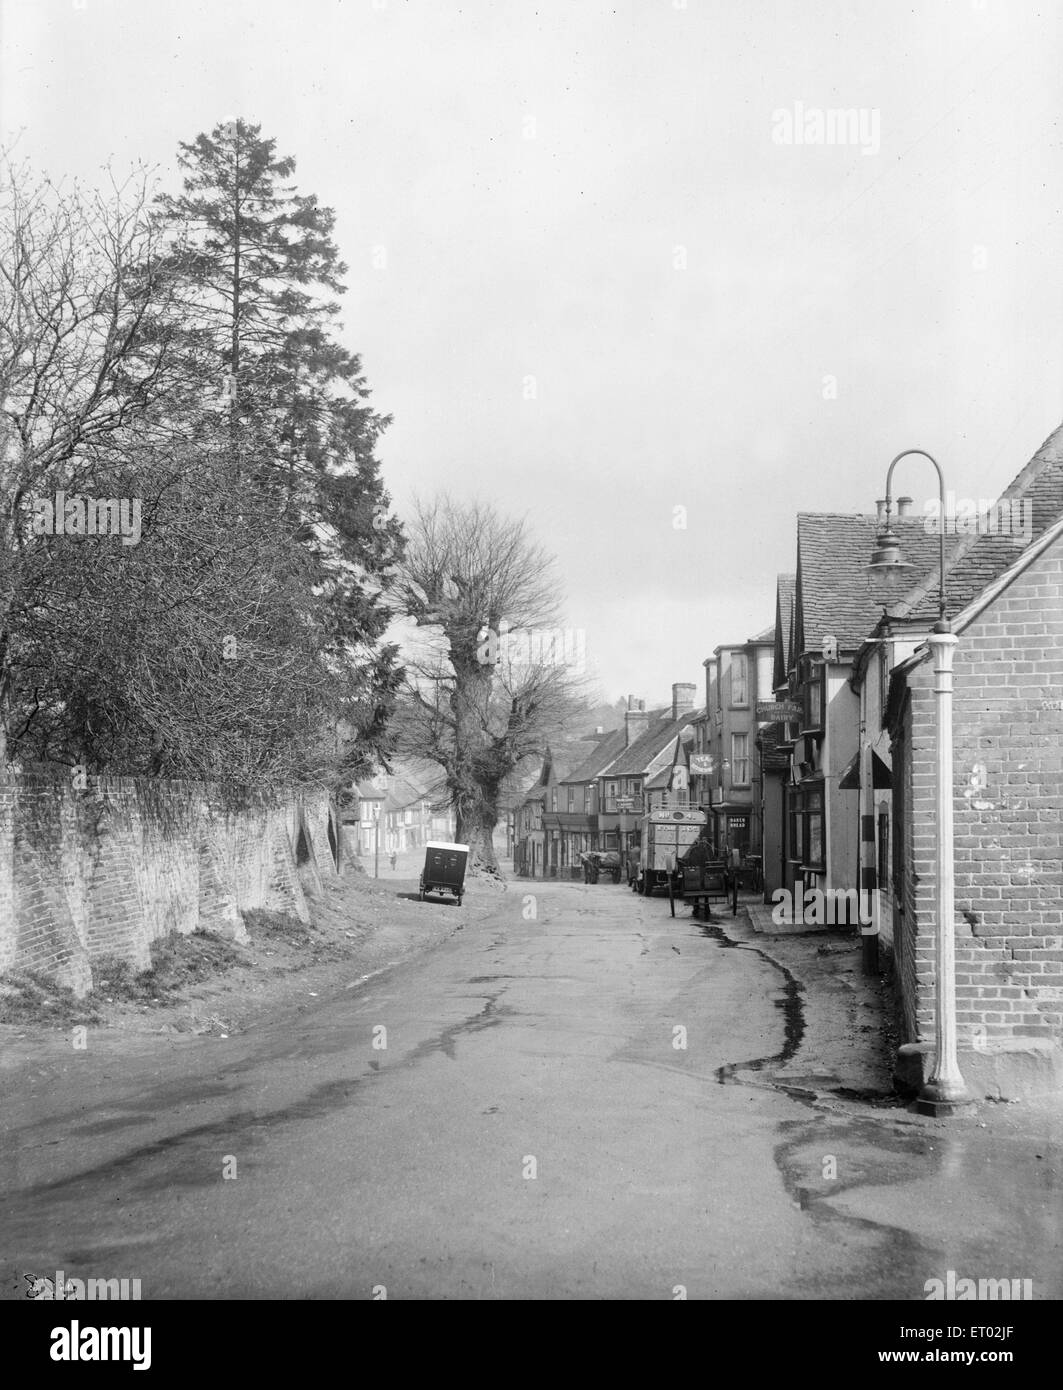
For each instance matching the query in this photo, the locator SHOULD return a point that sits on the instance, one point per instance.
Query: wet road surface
(558, 1112)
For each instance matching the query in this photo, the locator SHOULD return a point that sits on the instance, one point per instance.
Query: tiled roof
(660, 780)
(772, 759)
(608, 748)
(833, 595)
(553, 768)
(785, 586)
(977, 560)
(662, 729)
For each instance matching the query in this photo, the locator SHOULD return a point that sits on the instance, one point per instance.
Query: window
(739, 679)
(572, 798)
(588, 799)
(813, 828)
(814, 688)
(796, 846)
(553, 800)
(738, 833)
(739, 760)
(883, 846)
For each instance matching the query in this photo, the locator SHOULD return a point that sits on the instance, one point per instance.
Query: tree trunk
(475, 827)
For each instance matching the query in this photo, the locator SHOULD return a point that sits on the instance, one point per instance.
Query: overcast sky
(615, 285)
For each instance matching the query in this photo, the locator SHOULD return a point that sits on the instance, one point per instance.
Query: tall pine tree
(258, 277)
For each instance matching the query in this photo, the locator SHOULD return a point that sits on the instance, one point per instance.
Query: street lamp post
(945, 1091)
(376, 852)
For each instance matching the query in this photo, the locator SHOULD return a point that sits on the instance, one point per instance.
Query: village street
(530, 1130)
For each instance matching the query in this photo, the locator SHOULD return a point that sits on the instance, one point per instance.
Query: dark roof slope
(833, 592)
(662, 729)
(785, 586)
(660, 780)
(976, 560)
(607, 749)
(772, 758)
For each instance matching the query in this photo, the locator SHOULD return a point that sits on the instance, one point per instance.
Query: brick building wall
(108, 870)
(1007, 799)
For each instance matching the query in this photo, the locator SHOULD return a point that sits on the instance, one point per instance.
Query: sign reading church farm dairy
(777, 710)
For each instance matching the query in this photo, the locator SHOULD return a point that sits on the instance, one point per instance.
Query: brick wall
(1008, 808)
(109, 869)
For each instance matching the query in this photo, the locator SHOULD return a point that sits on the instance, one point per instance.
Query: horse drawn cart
(444, 869)
(597, 863)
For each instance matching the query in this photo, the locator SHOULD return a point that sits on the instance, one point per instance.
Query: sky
(616, 267)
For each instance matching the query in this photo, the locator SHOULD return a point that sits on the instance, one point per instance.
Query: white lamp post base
(945, 1092)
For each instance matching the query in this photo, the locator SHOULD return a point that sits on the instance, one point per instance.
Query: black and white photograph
(531, 666)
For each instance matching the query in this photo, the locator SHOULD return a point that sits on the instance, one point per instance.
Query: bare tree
(497, 677)
(82, 349)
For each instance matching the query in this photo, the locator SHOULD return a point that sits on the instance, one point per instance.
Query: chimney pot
(904, 506)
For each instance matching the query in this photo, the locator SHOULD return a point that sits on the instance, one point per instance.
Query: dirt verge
(204, 983)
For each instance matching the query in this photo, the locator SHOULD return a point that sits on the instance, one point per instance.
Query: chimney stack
(682, 698)
(636, 720)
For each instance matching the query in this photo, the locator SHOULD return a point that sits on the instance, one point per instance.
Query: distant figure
(394, 860)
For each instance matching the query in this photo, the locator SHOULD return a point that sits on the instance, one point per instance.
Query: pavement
(575, 1097)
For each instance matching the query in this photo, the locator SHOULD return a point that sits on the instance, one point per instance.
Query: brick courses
(1008, 820)
(108, 870)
